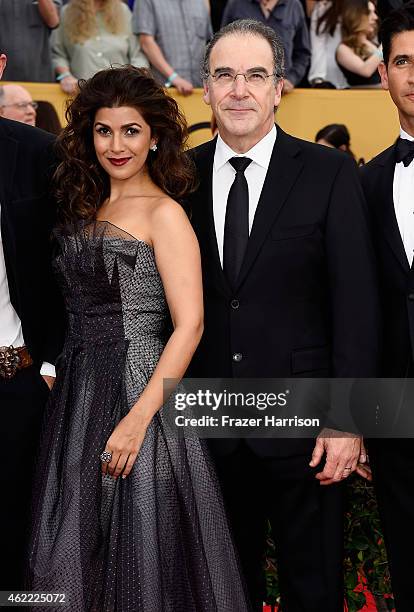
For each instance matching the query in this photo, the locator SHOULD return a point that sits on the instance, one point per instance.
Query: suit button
(237, 357)
(411, 296)
(235, 304)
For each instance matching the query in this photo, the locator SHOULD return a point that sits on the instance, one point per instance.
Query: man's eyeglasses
(256, 78)
(21, 105)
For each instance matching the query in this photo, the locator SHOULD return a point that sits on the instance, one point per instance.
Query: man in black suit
(30, 326)
(290, 290)
(388, 182)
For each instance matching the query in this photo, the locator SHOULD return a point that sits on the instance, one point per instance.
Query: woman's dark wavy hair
(81, 183)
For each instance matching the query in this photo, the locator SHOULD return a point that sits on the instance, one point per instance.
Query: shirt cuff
(48, 369)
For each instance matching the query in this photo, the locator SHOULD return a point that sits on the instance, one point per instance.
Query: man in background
(17, 104)
(173, 36)
(287, 19)
(24, 37)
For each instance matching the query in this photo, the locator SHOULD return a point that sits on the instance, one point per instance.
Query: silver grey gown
(157, 541)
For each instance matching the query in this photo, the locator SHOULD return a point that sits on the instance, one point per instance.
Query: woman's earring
(154, 147)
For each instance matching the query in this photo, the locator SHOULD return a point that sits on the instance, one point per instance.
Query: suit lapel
(8, 156)
(284, 168)
(205, 193)
(386, 211)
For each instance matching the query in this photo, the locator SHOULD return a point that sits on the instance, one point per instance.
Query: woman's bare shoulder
(165, 209)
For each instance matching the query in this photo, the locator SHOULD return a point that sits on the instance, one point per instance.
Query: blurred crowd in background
(328, 43)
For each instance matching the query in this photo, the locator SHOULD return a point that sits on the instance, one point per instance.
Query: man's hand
(69, 84)
(342, 452)
(363, 469)
(183, 86)
(49, 380)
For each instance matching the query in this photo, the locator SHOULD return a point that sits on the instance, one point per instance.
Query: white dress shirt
(11, 333)
(403, 194)
(224, 174)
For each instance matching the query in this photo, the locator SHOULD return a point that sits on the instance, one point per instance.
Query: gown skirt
(158, 540)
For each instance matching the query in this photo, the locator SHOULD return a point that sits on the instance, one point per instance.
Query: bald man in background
(17, 104)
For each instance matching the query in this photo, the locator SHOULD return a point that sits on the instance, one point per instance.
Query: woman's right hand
(69, 84)
(125, 443)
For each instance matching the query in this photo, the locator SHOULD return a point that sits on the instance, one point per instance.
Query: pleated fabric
(159, 540)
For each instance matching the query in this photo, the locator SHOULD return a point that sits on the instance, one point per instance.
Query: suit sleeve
(52, 312)
(353, 278)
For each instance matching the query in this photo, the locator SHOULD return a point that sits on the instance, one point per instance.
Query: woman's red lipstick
(118, 161)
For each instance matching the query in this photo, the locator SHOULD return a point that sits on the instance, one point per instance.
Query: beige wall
(369, 114)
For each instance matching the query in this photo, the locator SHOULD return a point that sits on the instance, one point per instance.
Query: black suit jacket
(27, 218)
(393, 399)
(306, 302)
(395, 275)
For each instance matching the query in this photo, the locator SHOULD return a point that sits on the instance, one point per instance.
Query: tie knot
(240, 163)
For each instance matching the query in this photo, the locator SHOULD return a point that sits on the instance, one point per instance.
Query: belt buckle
(9, 361)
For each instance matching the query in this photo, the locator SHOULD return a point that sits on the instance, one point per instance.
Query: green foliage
(365, 555)
(272, 582)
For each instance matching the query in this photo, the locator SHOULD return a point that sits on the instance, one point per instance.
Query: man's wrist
(63, 75)
(170, 79)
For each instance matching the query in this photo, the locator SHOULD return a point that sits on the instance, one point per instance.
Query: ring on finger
(106, 457)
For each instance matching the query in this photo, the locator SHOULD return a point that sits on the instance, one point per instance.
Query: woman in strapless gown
(127, 518)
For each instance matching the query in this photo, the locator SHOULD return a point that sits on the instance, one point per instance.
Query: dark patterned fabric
(157, 541)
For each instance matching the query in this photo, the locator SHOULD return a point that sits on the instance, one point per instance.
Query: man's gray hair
(253, 28)
(2, 95)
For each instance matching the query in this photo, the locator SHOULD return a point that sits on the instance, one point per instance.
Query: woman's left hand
(124, 444)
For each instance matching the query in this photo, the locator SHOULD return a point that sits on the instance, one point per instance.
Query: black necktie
(236, 227)
(404, 151)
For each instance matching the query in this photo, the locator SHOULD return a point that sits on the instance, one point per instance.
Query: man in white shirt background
(388, 182)
(31, 324)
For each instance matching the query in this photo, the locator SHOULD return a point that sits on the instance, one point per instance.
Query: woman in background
(325, 35)
(128, 514)
(93, 35)
(337, 136)
(357, 56)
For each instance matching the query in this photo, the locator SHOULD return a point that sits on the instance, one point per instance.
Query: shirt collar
(405, 136)
(259, 154)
